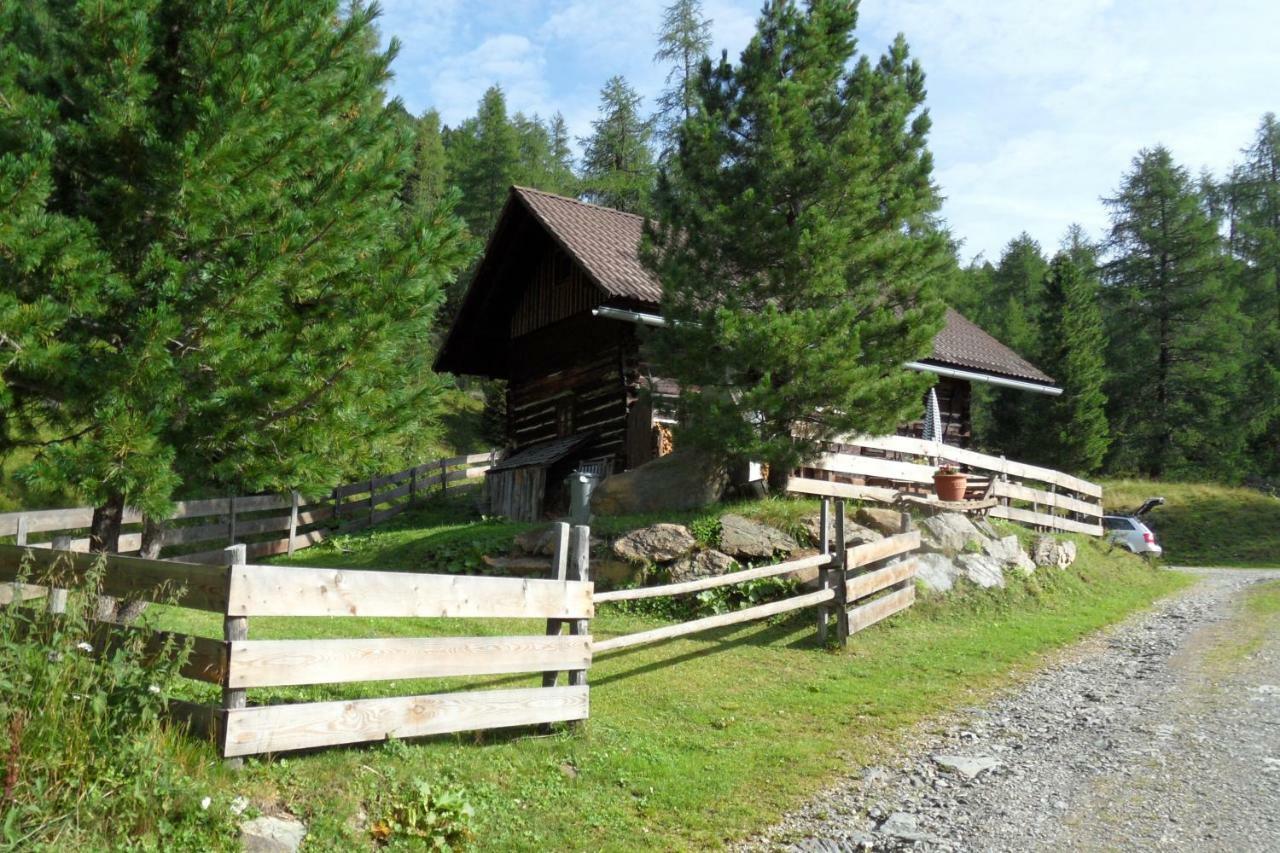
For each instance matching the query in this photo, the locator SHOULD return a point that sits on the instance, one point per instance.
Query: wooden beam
(873, 611)
(890, 546)
(235, 629)
(278, 663)
(712, 582)
(125, 577)
(760, 611)
(1029, 517)
(872, 582)
(1005, 489)
(280, 728)
(293, 591)
(822, 488)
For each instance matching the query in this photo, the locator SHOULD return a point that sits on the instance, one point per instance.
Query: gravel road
(1161, 733)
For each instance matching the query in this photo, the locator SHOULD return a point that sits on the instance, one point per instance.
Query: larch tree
(1074, 353)
(428, 180)
(683, 41)
(617, 161)
(210, 282)
(1174, 346)
(796, 243)
(484, 160)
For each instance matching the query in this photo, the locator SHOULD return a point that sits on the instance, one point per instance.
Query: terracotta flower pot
(950, 487)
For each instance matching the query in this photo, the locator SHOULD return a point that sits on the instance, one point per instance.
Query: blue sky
(1038, 105)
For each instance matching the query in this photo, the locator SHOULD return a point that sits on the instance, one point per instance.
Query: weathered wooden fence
(889, 469)
(240, 593)
(198, 531)
(851, 587)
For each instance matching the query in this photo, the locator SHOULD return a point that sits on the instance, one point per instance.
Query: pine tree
(565, 181)
(428, 181)
(1254, 193)
(484, 160)
(1174, 356)
(543, 155)
(1074, 354)
(617, 161)
(683, 41)
(797, 247)
(208, 271)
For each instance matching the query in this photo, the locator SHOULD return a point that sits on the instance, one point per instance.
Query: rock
(272, 835)
(703, 564)
(1048, 551)
(983, 570)
(539, 542)
(681, 480)
(1009, 552)
(902, 825)
(950, 532)
(744, 538)
(855, 533)
(660, 543)
(238, 805)
(887, 521)
(936, 571)
(985, 527)
(968, 766)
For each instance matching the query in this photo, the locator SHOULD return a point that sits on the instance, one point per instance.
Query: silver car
(1130, 532)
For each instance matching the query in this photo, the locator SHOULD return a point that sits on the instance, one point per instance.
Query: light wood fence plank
(890, 546)
(823, 488)
(1028, 517)
(280, 728)
(866, 615)
(872, 582)
(713, 582)
(267, 663)
(1018, 492)
(293, 591)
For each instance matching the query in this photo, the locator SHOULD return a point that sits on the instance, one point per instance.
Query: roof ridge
(577, 201)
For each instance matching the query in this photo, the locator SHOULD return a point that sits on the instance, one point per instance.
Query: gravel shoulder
(1161, 733)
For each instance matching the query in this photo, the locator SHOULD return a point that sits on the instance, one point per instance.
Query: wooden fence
(198, 531)
(852, 584)
(241, 592)
(890, 469)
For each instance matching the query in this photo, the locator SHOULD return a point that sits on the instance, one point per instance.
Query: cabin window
(564, 417)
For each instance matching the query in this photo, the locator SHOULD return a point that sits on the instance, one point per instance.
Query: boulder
(967, 766)
(272, 835)
(681, 480)
(855, 533)
(950, 532)
(981, 569)
(659, 543)
(746, 539)
(936, 571)
(1048, 551)
(704, 564)
(538, 542)
(886, 521)
(984, 527)
(1009, 552)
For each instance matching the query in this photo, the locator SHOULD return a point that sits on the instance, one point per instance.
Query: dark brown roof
(603, 240)
(605, 243)
(963, 343)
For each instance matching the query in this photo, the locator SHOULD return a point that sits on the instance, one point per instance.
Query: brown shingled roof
(605, 243)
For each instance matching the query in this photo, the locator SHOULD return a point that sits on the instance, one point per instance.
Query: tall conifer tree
(209, 280)
(683, 41)
(1073, 353)
(484, 160)
(797, 248)
(617, 160)
(1175, 351)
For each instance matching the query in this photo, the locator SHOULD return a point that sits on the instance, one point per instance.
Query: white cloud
(509, 60)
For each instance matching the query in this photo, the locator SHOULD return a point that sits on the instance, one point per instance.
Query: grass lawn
(691, 743)
(1206, 525)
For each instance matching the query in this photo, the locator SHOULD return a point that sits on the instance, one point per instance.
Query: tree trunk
(151, 538)
(104, 538)
(778, 476)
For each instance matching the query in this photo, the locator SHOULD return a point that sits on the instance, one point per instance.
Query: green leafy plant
(417, 812)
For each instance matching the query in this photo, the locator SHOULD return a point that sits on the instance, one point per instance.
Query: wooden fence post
(372, 500)
(841, 566)
(57, 601)
(559, 571)
(231, 524)
(580, 570)
(234, 628)
(824, 542)
(444, 477)
(293, 519)
(413, 485)
(23, 524)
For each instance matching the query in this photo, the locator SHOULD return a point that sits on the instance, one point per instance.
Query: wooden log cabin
(555, 309)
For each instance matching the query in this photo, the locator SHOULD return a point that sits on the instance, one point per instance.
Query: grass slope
(1204, 524)
(691, 743)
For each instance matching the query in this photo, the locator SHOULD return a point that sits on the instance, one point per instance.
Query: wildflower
(84, 647)
(205, 803)
(153, 689)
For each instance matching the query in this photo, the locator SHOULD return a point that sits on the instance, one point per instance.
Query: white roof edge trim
(974, 376)
(950, 372)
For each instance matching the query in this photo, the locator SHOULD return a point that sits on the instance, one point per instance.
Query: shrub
(85, 749)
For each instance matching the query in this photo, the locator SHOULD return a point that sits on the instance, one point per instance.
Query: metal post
(234, 629)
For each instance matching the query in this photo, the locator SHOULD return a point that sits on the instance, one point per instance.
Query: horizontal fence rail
(899, 469)
(238, 664)
(198, 531)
